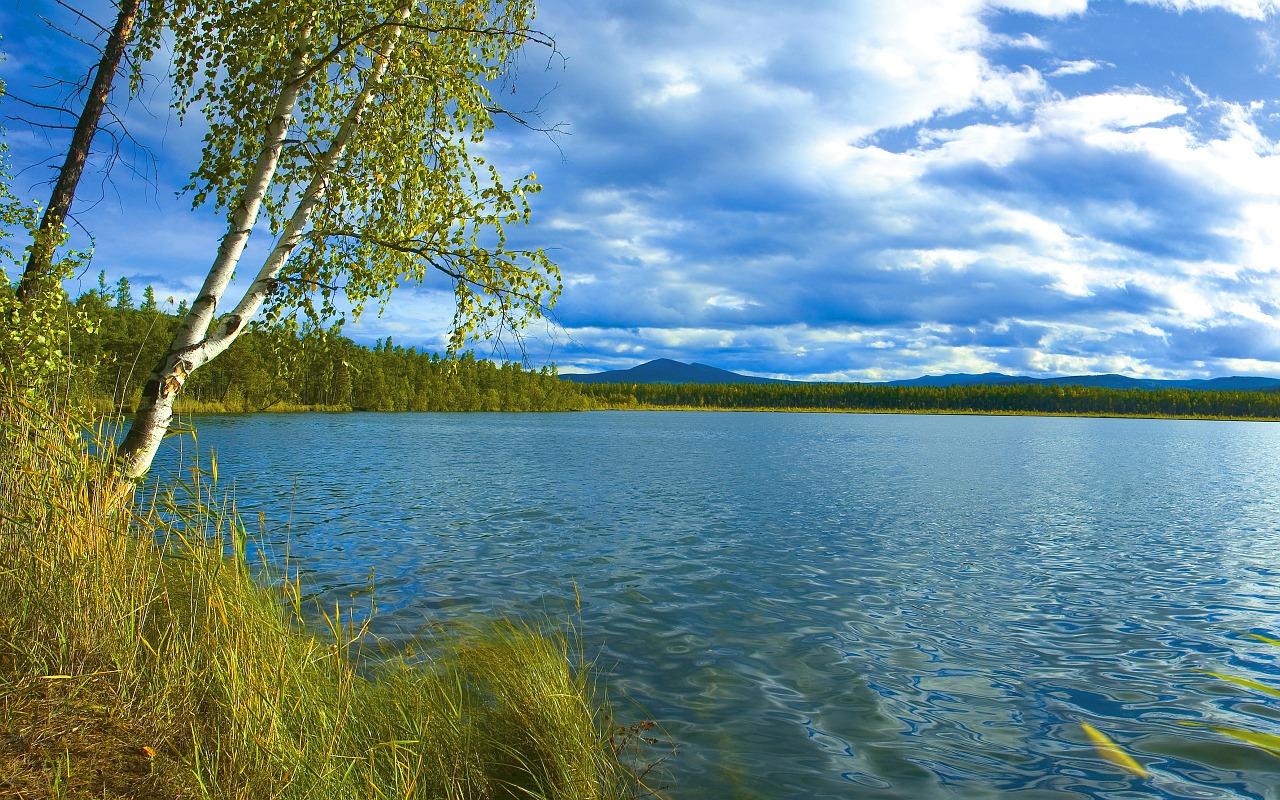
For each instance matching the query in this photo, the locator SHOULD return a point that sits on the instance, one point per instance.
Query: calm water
(844, 606)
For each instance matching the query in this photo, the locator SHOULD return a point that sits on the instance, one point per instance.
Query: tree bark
(196, 345)
(64, 190)
(155, 409)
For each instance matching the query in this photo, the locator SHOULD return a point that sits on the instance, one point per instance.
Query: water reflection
(829, 605)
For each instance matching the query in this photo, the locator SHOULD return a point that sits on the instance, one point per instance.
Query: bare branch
(44, 125)
(41, 106)
(313, 283)
(342, 45)
(522, 119)
(83, 16)
(91, 45)
(88, 234)
(441, 260)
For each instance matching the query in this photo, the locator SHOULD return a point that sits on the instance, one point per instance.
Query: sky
(857, 191)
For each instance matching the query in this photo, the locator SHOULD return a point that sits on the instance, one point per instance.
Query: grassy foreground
(139, 660)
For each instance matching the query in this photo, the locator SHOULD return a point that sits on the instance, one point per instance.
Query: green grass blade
(1111, 751)
(1263, 741)
(1245, 682)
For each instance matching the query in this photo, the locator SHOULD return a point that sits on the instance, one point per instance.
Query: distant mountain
(984, 379)
(1234, 383)
(665, 370)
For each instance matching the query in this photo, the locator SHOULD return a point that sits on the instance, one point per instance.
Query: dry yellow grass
(141, 657)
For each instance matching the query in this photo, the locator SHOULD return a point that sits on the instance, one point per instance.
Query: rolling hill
(665, 370)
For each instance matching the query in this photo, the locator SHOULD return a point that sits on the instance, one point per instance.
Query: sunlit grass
(104, 407)
(141, 656)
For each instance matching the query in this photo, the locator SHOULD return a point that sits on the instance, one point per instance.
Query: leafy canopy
(410, 192)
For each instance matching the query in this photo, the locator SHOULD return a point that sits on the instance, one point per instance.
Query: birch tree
(349, 129)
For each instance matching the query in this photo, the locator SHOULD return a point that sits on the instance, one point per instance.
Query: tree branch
(527, 35)
(83, 16)
(438, 258)
(41, 106)
(91, 45)
(64, 190)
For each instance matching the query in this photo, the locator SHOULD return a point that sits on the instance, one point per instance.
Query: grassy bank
(141, 657)
(103, 406)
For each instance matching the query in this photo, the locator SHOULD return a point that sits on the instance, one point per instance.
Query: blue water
(828, 605)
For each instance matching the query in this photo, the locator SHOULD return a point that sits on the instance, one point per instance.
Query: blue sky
(835, 190)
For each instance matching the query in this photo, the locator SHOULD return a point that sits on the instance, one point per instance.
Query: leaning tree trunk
(64, 190)
(155, 410)
(192, 347)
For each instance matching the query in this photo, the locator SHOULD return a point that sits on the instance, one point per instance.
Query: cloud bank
(868, 191)
(879, 192)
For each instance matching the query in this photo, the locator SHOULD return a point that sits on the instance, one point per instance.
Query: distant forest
(274, 370)
(1004, 399)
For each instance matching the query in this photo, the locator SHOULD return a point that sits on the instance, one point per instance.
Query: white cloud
(871, 186)
(1081, 67)
(1035, 235)
(1114, 110)
(730, 301)
(673, 83)
(1047, 8)
(920, 59)
(1252, 9)
(1023, 41)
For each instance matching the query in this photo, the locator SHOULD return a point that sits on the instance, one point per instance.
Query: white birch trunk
(191, 347)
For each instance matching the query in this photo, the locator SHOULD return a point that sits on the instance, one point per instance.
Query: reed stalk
(144, 654)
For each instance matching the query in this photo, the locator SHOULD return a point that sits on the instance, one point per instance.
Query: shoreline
(290, 408)
(948, 412)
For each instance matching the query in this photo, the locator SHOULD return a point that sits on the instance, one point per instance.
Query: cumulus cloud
(1082, 116)
(1047, 8)
(1082, 67)
(1023, 41)
(1252, 9)
(878, 191)
(1085, 233)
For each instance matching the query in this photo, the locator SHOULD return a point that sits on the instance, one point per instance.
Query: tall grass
(141, 656)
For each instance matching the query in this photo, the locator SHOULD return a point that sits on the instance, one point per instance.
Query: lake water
(829, 605)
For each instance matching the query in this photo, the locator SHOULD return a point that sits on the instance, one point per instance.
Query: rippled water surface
(823, 605)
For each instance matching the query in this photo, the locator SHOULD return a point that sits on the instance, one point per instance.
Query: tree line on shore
(288, 369)
(278, 368)
(981, 399)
